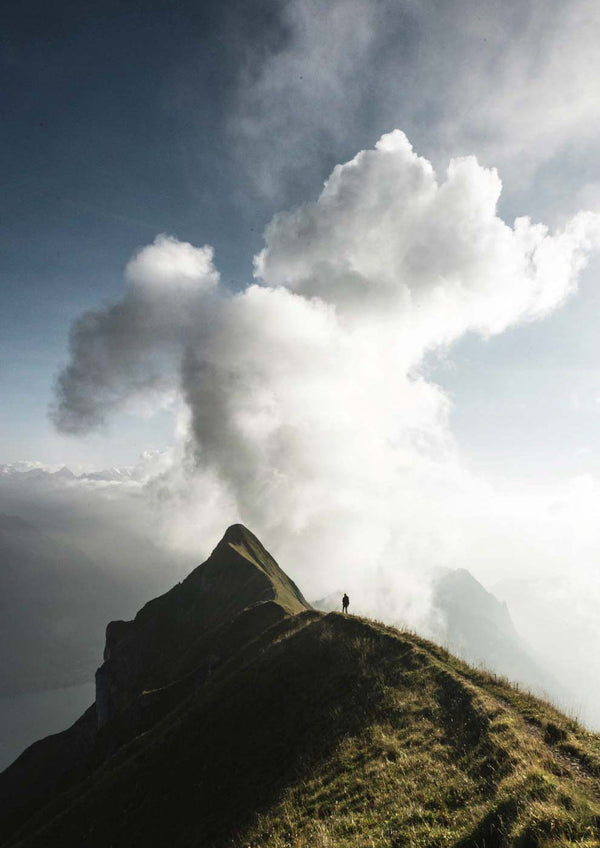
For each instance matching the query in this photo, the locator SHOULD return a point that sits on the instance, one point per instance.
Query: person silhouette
(345, 603)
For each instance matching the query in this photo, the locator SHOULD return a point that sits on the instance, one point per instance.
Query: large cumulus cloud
(305, 410)
(385, 235)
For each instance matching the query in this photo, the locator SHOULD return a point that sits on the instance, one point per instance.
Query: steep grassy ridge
(327, 730)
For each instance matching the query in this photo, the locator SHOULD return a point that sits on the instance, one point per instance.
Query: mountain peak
(237, 533)
(240, 543)
(173, 634)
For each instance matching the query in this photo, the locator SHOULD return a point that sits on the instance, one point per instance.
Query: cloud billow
(128, 349)
(384, 235)
(308, 416)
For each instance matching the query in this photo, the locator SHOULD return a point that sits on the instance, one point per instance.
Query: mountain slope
(315, 729)
(175, 634)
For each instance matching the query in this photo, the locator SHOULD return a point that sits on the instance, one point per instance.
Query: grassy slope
(330, 731)
(245, 543)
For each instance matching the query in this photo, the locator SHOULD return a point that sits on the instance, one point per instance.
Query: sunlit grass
(452, 757)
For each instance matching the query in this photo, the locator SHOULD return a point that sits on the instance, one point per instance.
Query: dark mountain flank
(229, 713)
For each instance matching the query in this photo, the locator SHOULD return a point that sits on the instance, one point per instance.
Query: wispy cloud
(515, 81)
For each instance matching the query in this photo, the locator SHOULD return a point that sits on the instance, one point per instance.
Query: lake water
(27, 717)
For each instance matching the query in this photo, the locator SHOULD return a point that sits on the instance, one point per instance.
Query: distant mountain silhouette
(54, 602)
(477, 626)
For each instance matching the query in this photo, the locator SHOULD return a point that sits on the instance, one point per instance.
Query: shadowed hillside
(284, 726)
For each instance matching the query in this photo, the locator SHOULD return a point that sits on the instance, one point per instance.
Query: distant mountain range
(476, 626)
(34, 471)
(54, 603)
(229, 712)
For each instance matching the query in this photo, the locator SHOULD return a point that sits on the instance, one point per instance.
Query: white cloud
(173, 267)
(307, 415)
(435, 259)
(303, 406)
(122, 356)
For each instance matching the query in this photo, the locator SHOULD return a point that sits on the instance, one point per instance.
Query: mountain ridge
(281, 725)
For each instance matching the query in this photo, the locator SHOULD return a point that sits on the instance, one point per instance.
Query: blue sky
(113, 132)
(124, 121)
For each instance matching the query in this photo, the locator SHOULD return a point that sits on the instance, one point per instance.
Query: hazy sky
(336, 260)
(201, 122)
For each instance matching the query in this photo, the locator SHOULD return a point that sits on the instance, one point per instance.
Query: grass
(336, 731)
(454, 757)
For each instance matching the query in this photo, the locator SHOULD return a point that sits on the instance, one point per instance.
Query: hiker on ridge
(345, 603)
